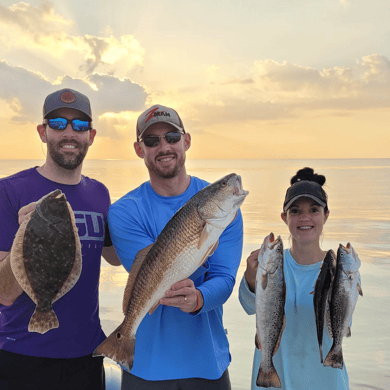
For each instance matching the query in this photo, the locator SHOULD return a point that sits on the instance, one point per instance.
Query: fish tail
(321, 354)
(269, 378)
(43, 321)
(334, 359)
(119, 348)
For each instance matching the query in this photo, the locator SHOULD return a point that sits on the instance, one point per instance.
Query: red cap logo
(68, 97)
(150, 114)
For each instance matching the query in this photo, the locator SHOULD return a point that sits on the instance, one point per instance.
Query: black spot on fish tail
(119, 348)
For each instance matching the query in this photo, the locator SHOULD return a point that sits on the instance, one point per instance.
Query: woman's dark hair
(306, 183)
(308, 174)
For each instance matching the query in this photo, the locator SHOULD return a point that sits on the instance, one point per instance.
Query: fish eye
(224, 183)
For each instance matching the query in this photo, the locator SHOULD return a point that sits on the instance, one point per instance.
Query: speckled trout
(345, 291)
(188, 239)
(46, 257)
(270, 316)
(322, 294)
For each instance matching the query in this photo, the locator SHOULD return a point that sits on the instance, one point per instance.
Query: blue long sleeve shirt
(171, 344)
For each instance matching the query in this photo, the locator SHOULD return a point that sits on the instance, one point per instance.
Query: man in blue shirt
(183, 344)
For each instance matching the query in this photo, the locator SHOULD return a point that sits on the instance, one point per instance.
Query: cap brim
(288, 205)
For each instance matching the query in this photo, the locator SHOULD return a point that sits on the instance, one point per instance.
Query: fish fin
(280, 336)
(134, 270)
(204, 235)
(257, 342)
(41, 322)
(332, 263)
(213, 249)
(348, 333)
(154, 307)
(269, 378)
(75, 273)
(359, 288)
(17, 261)
(7, 277)
(328, 322)
(208, 253)
(334, 359)
(264, 280)
(321, 353)
(119, 348)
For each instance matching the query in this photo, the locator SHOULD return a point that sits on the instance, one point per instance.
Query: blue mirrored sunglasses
(61, 123)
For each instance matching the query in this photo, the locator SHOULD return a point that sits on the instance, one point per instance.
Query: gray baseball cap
(67, 98)
(158, 114)
(305, 189)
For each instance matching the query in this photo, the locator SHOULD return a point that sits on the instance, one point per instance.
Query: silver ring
(185, 299)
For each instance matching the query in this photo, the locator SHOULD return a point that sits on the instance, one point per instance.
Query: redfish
(188, 239)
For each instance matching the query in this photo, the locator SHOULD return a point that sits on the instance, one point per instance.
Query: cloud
(41, 31)
(36, 21)
(271, 90)
(25, 91)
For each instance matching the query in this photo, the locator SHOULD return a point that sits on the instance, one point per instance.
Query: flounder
(46, 257)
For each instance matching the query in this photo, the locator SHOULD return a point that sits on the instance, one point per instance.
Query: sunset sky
(250, 79)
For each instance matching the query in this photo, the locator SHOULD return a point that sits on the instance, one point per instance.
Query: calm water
(359, 202)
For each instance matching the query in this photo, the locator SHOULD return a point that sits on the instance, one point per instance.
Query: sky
(254, 79)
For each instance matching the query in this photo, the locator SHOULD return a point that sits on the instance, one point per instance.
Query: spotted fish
(184, 244)
(270, 315)
(46, 257)
(345, 291)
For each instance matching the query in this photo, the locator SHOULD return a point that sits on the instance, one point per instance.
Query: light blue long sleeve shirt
(171, 344)
(297, 360)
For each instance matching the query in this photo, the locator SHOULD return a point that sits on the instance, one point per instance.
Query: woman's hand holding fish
(183, 295)
(251, 269)
(25, 211)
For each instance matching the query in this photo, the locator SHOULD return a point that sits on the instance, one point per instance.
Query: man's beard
(66, 160)
(166, 173)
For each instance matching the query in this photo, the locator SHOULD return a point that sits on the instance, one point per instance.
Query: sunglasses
(61, 123)
(152, 141)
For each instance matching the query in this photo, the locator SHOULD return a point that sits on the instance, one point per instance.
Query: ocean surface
(359, 203)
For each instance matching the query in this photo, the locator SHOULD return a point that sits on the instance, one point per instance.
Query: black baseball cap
(305, 189)
(67, 98)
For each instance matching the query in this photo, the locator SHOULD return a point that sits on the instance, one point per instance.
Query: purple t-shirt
(79, 332)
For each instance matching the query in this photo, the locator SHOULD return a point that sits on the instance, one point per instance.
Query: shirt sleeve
(9, 223)
(246, 297)
(128, 235)
(221, 276)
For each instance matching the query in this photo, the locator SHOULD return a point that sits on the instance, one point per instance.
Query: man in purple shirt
(60, 358)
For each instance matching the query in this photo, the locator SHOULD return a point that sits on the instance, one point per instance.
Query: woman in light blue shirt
(297, 361)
